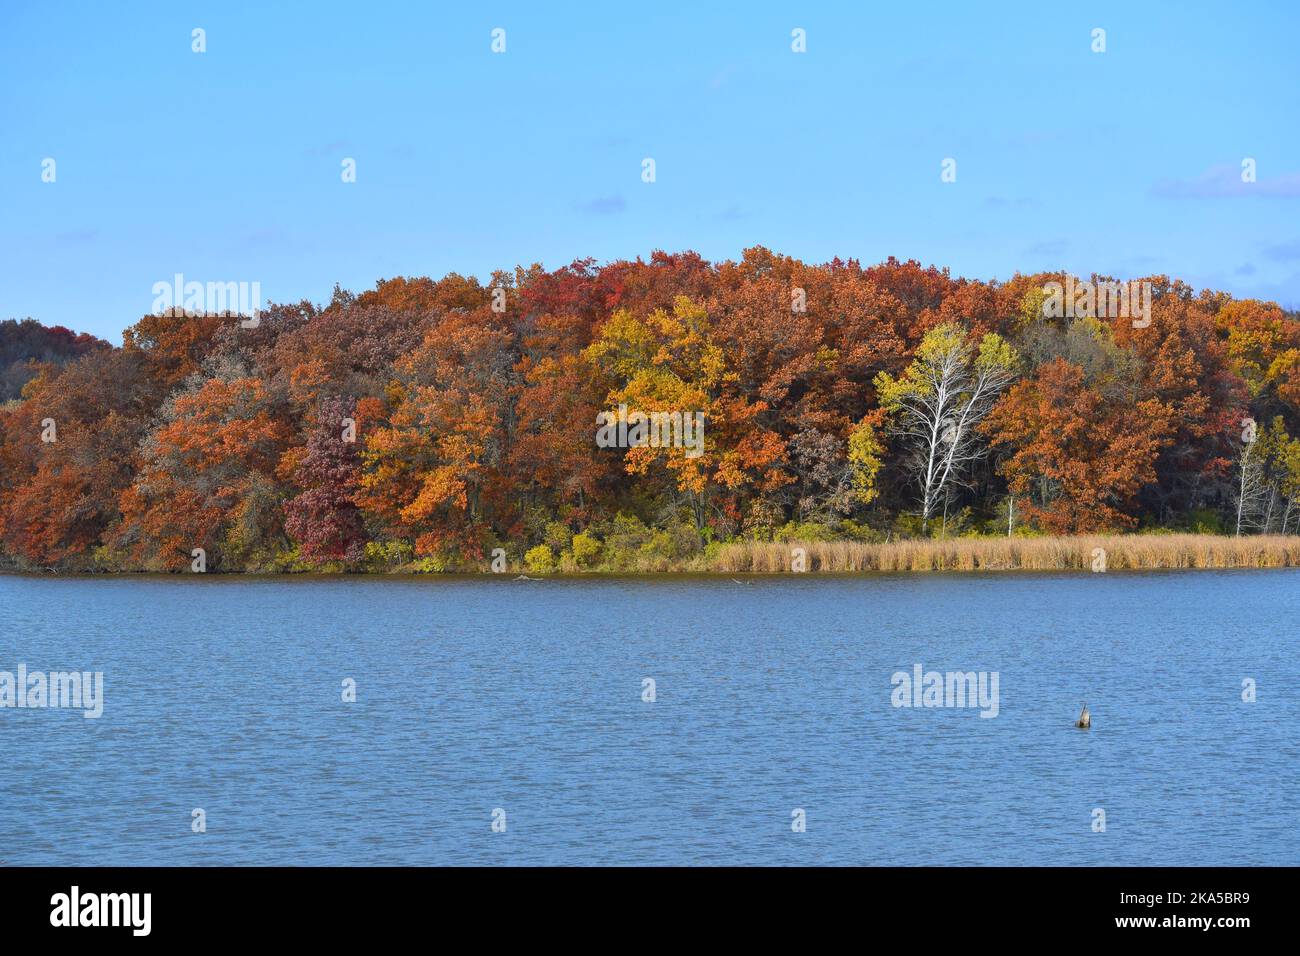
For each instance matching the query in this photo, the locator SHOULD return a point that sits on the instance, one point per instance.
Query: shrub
(804, 531)
(557, 535)
(433, 564)
(624, 540)
(585, 548)
(387, 555)
(671, 544)
(1205, 521)
(540, 559)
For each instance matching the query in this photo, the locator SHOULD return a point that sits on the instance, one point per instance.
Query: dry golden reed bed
(1123, 552)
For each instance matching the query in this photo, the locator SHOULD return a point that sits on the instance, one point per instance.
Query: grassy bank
(1130, 552)
(1122, 552)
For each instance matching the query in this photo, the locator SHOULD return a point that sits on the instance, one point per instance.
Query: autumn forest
(425, 424)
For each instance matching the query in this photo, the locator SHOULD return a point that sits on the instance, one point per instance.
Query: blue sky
(225, 165)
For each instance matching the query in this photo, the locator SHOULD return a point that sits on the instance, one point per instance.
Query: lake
(525, 703)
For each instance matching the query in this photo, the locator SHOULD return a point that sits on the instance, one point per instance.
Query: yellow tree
(670, 375)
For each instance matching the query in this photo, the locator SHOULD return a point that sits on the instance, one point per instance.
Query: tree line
(425, 423)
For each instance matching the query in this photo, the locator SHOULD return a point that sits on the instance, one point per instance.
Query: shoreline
(1085, 554)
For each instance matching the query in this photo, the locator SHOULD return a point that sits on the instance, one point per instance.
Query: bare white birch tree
(935, 405)
(1268, 476)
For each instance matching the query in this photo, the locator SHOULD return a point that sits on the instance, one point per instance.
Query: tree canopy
(425, 423)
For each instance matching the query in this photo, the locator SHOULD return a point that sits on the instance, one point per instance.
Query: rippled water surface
(225, 694)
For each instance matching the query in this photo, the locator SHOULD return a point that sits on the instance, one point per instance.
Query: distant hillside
(21, 342)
